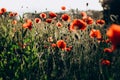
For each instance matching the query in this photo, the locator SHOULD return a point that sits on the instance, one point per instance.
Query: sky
(22, 6)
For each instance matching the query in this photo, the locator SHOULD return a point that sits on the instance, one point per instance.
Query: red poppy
(67, 49)
(113, 34)
(63, 8)
(78, 24)
(48, 20)
(53, 45)
(61, 44)
(43, 15)
(88, 20)
(14, 22)
(65, 17)
(58, 24)
(95, 34)
(11, 14)
(52, 14)
(105, 62)
(2, 10)
(15, 14)
(28, 24)
(107, 41)
(84, 15)
(108, 50)
(100, 21)
(37, 20)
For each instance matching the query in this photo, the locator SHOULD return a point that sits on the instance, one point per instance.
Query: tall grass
(27, 54)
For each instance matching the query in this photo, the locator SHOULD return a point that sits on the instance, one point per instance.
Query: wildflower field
(58, 47)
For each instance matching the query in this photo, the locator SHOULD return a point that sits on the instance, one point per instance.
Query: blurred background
(21, 6)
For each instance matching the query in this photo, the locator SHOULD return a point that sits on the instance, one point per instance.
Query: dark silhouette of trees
(111, 10)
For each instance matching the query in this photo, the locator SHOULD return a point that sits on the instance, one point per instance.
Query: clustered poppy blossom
(78, 24)
(61, 44)
(95, 34)
(65, 17)
(113, 34)
(2, 10)
(12, 14)
(43, 15)
(88, 20)
(28, 24)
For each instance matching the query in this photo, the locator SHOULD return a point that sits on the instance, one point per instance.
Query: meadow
(58, 47)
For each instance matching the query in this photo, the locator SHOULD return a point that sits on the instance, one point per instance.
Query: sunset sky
(21, 6)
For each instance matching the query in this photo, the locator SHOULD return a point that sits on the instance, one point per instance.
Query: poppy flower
(88, 20)
(53, 45)
(67, 49)
(14, 22)
(52, 14)
(43, 15)
(48, 20)
(107, 41)
(3, 10)
(37, 20)
(11, 14)
(61, 44)
(84, 15)
(58, 24)
(63, 8)
(78, 24)
(105, 62)
(113, 34)
(15, 14)
(95, 34)
(100, 21)
(65, 17)
(108, 50)
(28, 24)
